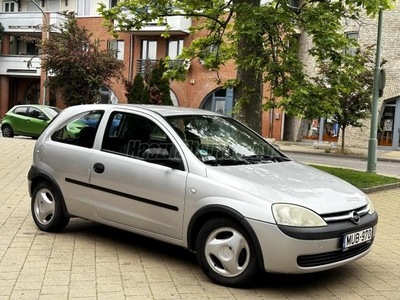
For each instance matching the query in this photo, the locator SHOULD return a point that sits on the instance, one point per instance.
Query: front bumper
(287, 254)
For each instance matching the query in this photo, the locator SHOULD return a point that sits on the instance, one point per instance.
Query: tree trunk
(249, 92)
(293, 129)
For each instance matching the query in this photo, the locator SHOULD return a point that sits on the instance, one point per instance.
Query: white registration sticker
(355, 238)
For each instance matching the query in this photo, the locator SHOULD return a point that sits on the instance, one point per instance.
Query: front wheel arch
(225, 252)
(219, 211)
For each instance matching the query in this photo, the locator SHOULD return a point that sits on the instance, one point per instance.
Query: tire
(225, 253)
(46, 208)
(7, 131)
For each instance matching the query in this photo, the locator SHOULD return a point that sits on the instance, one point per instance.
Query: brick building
(22, 83)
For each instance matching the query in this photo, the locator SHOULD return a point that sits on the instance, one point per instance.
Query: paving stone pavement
(92, 261)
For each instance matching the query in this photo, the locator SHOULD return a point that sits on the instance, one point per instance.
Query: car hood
(292, 182)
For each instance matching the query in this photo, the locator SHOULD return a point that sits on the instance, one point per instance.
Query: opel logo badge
(355, 217)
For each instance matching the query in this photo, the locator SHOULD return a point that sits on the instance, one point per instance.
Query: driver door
(130, 191)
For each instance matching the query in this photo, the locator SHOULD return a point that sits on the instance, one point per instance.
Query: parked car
(28, 120)
(200, 180)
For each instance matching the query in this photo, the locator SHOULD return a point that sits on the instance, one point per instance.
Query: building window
(83, 7)
(9, 6)
(53, 5)
(148, 56)
(107, 96)
(351, 35)
(294, 3)
(174, 48)
(118, 47)
(220, 101)
(149, 49)
(113, 3)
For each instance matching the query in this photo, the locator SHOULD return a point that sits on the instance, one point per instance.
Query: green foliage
(151, 88)
(138, 92)
(263, 42)
(348, 83)
(80, 68)
(359, 179)
(159, 85)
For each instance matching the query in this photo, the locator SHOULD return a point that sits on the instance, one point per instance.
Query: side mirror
(42, 117)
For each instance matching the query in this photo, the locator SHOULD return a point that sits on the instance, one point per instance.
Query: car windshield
(218, 140)
(51, 111)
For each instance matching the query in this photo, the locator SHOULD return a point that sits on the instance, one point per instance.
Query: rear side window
(20, 110)
(81, 131)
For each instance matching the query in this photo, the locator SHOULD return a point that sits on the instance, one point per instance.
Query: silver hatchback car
(199, 180)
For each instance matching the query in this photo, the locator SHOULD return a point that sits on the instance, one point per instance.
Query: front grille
(343, 216)
(316, 260)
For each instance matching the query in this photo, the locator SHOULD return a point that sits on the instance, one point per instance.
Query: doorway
(389, 125)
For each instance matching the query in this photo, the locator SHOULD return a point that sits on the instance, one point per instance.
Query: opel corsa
(202, 181)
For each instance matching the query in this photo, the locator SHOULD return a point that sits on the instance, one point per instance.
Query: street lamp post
(373, 141)
(45, 27)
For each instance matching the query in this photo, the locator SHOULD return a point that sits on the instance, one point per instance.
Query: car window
(131, 135)
(220, 140)
(20, 110)
(52, 111)
(81, 131)
(35, 113)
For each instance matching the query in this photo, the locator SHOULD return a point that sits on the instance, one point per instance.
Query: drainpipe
(46, 26)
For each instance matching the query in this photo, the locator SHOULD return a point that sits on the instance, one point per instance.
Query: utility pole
(373, 141)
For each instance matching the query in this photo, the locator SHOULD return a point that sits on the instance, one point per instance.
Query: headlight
(294, 215)
(371, 207)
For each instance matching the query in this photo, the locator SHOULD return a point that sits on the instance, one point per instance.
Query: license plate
(356, 238)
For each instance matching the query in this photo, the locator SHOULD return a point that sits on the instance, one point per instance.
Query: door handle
(98, 168)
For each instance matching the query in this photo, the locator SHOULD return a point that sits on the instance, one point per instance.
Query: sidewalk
(88, 261)
(320, 148)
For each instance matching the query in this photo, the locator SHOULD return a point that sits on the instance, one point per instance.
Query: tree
(261, 39)
(138, 91)
(151, 88)
(349, 86)
(79, 67)
(159, 84)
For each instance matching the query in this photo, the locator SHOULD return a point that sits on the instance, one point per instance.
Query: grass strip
(359, 179)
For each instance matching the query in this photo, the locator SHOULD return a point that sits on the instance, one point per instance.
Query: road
(382, 167)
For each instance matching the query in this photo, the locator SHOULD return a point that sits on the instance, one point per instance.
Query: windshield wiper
(265, 158)
(226, 162)
(259, 158)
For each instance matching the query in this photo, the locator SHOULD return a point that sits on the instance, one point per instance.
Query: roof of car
(32, 105)
(162, 110)
(166, 110)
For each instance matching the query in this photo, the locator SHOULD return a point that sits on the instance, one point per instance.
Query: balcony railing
(145, 65)
(27, 22)
(179, 26)
(20, 65)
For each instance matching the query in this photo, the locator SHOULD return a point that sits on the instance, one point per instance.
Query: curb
(387, 159)
(381, 188)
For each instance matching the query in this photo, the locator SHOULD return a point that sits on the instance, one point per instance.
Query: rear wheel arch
(219, 211)
(7, 130)
(39, 177)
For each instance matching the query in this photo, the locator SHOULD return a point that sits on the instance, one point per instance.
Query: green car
(27, 120)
